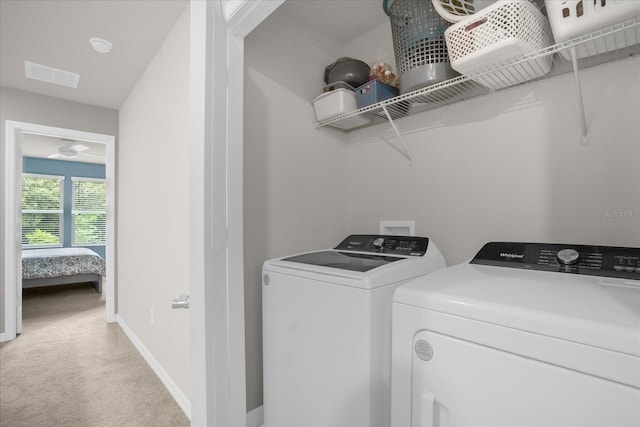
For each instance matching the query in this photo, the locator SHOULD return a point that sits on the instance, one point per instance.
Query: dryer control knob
(378, 243)
(568, 256)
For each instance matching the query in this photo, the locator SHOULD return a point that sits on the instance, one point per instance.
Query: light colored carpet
(71, 368)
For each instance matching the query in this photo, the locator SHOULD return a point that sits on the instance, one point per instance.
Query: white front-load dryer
(326, 323)
(524, 334)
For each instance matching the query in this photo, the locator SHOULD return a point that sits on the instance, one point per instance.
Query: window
(42, 210)
(89, 211)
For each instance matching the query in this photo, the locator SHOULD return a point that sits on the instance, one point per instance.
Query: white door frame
(218, 382)
(13, 218)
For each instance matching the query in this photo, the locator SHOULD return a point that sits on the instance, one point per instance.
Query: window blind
(42, 210)
(89, 211)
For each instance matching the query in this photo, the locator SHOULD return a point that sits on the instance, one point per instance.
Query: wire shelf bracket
(584, 138)
(406, 152)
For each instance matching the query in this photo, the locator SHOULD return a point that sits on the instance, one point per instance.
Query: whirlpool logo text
(511, 256)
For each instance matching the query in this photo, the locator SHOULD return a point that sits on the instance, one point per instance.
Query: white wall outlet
(398, 228)
(152, 316)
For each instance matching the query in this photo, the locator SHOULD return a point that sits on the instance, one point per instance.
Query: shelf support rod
(406, 152)
(584, 141)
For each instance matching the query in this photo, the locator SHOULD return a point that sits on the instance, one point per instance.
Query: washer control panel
(607, 261)
(394, 245)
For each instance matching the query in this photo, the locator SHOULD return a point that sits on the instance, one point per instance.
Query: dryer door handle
(423, 409)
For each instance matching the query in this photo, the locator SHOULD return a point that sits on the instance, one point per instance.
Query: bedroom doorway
(15, 135)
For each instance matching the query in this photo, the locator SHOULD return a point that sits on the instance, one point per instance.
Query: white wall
(507, 166)
(29, 107)
(153, 206)
(294, 193)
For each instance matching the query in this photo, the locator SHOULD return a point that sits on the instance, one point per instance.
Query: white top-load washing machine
(524, 334)
(326, 319)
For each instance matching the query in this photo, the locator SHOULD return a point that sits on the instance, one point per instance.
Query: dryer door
(457, 382)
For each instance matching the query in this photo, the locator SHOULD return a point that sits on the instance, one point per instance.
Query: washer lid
(343, 260)
(364, 261)
(602, 312)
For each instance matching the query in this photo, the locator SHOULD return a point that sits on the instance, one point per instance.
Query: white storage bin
(334, 103)
(505, 30)
(575, 18)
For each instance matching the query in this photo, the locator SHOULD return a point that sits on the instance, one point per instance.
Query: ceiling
(344, 20)
(56, 33)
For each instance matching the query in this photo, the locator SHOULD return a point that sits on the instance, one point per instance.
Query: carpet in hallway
(71, 368)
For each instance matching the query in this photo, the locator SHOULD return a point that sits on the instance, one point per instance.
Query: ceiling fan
(69, 150)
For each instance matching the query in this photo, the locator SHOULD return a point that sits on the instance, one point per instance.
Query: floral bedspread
(56, 262)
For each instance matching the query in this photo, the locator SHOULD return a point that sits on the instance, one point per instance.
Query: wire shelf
(606, 45)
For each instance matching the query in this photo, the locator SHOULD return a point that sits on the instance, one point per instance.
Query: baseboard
(6, 337)
(171, 386)
(255, 418)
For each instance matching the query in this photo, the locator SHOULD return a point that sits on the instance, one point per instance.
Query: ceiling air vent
(48, 74)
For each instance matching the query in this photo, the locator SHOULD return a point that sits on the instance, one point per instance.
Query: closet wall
(294, 191)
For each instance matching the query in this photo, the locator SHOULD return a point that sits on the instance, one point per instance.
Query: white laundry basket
(574, 18)
(503, 31)
(457, 10)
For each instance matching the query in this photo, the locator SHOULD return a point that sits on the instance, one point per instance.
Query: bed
(61, 266)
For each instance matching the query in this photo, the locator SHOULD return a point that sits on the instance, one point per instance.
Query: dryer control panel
(380, 243)
(609, 261)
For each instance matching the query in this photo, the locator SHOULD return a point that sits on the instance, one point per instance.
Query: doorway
(15, 132)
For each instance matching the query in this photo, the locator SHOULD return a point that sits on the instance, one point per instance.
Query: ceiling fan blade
(79, 147)
(67, 152)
